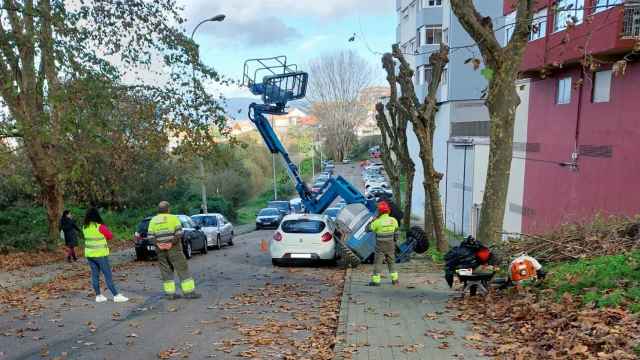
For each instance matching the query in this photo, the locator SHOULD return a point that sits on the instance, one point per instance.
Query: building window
(509, 26)
(424, 74)
(602, 86)
(431, 3)
(568, 12)
(538, 31)
(602, 5)
(564, 91)
(430, 35)
(539, 22)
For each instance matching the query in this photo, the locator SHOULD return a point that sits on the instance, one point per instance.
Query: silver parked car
(216, 227)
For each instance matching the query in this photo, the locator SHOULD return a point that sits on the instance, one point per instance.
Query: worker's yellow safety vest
(384, 226)
(163, 227)
(95, 244)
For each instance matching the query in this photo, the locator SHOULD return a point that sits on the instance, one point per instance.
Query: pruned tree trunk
(394, 130)
(422, 117)
(408, 194)
(388, 161)
(502, 66)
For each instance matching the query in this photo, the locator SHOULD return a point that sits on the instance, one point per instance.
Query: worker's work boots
(192, 295)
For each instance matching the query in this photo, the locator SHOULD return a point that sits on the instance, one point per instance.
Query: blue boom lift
(278, 83)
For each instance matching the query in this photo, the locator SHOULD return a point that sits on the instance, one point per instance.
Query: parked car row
(376, 185)
(199, 233)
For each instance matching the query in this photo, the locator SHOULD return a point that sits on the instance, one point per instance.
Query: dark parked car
(268, 218)
(282, 205)
(193, 239)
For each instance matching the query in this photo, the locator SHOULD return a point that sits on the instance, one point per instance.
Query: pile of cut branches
(532, 325)
(603, 236)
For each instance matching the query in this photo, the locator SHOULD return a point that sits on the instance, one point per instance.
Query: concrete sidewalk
(31, 276)
(406, 322)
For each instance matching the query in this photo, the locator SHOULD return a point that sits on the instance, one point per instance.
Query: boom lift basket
(275, 80)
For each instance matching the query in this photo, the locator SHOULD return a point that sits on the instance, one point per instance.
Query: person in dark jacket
(70, 231)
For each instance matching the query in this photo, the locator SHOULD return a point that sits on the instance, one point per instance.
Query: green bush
(22, 228)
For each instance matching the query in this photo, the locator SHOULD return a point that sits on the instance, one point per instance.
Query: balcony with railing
(605, 30)
(631, 20)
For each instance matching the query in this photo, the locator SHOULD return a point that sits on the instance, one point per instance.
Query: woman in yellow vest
(96, 250)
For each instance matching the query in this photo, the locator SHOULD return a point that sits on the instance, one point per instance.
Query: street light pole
(216, 18)
(273, 162)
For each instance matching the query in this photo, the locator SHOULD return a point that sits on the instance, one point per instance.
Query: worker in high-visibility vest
(166, 230)
(96, 250)
(386, 229)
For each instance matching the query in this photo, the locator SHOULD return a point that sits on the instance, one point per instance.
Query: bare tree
(395, 154)
(502, 66)
(335, 83)
(422, 117)
(389, 155)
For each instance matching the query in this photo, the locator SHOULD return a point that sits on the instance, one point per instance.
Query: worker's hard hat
(383, 207)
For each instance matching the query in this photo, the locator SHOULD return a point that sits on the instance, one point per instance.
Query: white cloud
(253, 9)
(314, 41)
(259, 22)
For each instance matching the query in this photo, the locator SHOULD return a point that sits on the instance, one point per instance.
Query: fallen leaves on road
(439, 334)
(530, 325)
(292, 320)
(21, 260)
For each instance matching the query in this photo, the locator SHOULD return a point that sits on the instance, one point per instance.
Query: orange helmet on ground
(383, 207)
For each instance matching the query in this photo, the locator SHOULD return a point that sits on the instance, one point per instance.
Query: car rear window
(269, 212)
(303, 226)
(205, 220)
(282, 205)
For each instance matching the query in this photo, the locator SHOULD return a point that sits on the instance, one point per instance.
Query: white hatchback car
(303, 238)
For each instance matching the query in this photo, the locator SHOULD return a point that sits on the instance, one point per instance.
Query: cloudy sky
(300, 29)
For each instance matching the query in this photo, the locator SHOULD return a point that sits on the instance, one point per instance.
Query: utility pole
(275, 185)
(273, 162)
(313, 160)
(203, 177)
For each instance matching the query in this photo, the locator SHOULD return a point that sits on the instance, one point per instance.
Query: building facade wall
(606, 135)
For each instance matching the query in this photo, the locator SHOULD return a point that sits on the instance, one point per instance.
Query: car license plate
(151, 248)
(301, 256)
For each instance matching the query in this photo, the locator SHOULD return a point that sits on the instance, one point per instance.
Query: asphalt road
(248, 308)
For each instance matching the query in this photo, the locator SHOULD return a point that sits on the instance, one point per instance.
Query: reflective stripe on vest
(95, 244)
(163, 227)
(384, 226)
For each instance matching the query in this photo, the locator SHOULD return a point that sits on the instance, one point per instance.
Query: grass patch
(247, 213)
(606, 281)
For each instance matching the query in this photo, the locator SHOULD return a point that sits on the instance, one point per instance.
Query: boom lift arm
(282, 82)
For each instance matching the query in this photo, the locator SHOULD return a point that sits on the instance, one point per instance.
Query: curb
(343, 318)
(244, 229)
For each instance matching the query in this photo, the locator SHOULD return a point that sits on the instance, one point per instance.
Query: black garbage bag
(462, 257)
